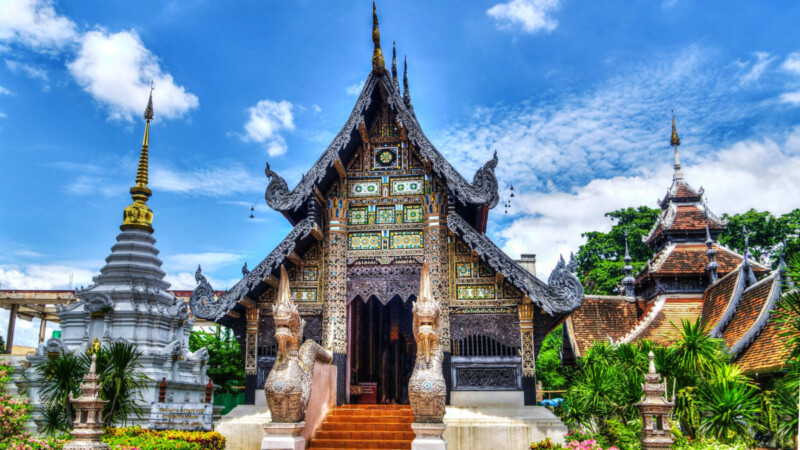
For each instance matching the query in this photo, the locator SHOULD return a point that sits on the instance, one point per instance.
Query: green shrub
(145, 439)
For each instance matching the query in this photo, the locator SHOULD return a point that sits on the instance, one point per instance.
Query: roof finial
(712, 265)
(750, 277)
(675, 141)
(394, 68)
(138, 214)
(378, 65)
(406, 92)
(628, 280)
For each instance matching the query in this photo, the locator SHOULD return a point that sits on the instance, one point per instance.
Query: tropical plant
(549, 370)
(695, 352)
(2, 345)
(225, 360)
(122, 382)
(61, 377)
(729, 409)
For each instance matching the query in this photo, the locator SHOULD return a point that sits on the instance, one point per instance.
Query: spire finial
(394, 67)
(750, 276)
(712, 265)
(378, 65)
(675, 141)
(406, 92)
(628, 280)
(138, 214)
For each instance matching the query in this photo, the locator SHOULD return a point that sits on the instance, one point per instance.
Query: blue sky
(574, 96)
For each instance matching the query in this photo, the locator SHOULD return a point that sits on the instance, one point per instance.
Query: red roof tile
(750, 307)
(717, 298)
(598, 318)
(661, 330)
(691, 259)
(767, 353)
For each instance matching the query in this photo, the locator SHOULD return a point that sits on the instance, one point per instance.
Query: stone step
(371, 418)
(367, 444)
(365, 435)
(352, 427)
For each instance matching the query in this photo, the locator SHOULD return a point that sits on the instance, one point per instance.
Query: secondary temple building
(691, 275)
(379, 202)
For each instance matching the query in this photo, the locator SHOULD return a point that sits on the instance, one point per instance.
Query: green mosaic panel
(407, 186)
(464, 270)
(364, 241)
(368, 188)
(357, 216)
(405, 239)
(304, 295)
(384, 214)
(310, 273)
(475, 292)
(413, 213)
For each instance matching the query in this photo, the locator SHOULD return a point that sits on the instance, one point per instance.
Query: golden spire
(675, 141)
(138, 214)
(378, 65)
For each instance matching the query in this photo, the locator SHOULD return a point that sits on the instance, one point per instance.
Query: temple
(378, 203)
(691, 275)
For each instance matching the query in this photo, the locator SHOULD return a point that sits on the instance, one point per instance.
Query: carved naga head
(426, 317)
(288, 324)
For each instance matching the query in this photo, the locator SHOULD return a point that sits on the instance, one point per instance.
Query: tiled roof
(751, 306)
(684, 219)
(768, 351)
(685, 191)
(600, 317)
(691, 259)
(674, 311)
(718, 297)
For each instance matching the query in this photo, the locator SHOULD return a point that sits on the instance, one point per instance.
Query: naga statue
(288, 385)
(426, 388)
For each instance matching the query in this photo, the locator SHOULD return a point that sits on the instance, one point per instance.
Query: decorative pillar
(525, 311)
(250, 354)
(655, 409)
(334, 309)
(12, 322)
(88, 428)
(434, 241)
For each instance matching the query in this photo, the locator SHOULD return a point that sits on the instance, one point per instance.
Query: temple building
(691, 275)
(379, 202)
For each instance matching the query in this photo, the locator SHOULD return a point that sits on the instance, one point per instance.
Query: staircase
(366, 426)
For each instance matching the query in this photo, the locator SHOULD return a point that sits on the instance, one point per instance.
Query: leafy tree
(2, 345)
(548, 365)
(225, 360)
(61, 377)
(122, 382)
(766, 233)
(600, 259)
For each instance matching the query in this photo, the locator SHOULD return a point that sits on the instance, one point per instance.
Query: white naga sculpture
(288, 385)
(426, 388)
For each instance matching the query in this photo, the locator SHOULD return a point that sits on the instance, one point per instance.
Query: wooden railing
(480, 345)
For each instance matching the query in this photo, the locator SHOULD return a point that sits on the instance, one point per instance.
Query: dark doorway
(383, 350)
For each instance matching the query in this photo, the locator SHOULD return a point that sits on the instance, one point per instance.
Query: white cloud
(116, 69)
(210, 261)
(792, 63)
(791, 97)
(30, 70)
(316, 108)
(35, 23)
(355, 88)
(43, 276)
(531, 15)
(763, 60)
(267, 119)
(4, 91)
(184, 281)
(216, 181)
(750, 174)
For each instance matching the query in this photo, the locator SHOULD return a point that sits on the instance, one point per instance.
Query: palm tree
(122, 383)
(730, 409)
(61, 376)
(695, 353)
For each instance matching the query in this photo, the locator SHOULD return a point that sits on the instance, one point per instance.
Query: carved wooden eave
(253, 284)
(562, 294)
(764, 315)
(471, 197)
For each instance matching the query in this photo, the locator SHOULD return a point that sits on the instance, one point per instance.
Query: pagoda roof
(681, 220)
(690, 259)
(472, 199)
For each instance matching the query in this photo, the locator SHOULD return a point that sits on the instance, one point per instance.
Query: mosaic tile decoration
(357, 216)
(384, 214)
(464, 270)
(461, 248)
(413, 214)
(366, 188)
(311, 253)
(510, 291)
(405, 239)
(364, 241)
(310, 273)
(304, 295)
(476, 292)
(407, 186)
(386, 158)
(485, 270)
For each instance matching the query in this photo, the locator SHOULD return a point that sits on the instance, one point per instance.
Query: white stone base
(429, 436)
(487, 398)
(480, 428)
(284, 436)
(243, 427)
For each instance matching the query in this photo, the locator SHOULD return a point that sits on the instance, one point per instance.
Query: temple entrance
(383, 350)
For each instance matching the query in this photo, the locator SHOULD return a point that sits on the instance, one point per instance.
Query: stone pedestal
(284, 436)
(429, 436)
